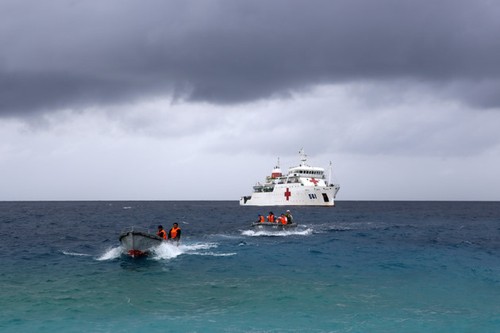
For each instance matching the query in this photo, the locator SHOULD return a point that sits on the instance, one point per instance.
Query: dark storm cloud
(72, 54)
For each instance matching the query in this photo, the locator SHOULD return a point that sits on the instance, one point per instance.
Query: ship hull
(293, 195)
(273, 226)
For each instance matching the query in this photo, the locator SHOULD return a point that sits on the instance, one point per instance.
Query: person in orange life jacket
(161, 232)
(282, 219)
(175, 233)
(270, 217)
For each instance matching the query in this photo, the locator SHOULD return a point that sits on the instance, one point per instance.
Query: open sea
(358, 267)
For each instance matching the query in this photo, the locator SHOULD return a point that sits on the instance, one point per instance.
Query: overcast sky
(189, 100)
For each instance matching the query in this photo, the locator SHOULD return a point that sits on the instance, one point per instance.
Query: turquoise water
(358, 267)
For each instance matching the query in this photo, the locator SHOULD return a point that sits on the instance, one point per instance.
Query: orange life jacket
(162, 233)
(284, 220)
(270, 218)
(173, 232)
(261, 219)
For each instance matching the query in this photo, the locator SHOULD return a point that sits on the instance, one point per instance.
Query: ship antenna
(303, 156)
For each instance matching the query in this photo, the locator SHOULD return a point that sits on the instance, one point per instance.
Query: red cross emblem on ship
(287, 194)
(315, 181)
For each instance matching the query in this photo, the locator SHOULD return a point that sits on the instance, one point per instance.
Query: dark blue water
(358, 267)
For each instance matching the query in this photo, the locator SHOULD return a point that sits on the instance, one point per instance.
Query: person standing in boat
(270, 217)
(174, 234)
(161, 232)
(289, 217)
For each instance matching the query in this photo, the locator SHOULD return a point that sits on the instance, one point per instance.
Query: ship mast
(330, 174)
(276, 173)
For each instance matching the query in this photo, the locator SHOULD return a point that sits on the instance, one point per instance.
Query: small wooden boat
(139, 243)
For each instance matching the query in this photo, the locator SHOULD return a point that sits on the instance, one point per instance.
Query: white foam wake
(167, 250)
(111, 254)
(280, 233)
(75, 254)
(214, 254)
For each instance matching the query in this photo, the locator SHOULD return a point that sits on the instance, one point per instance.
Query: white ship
(304, 185)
